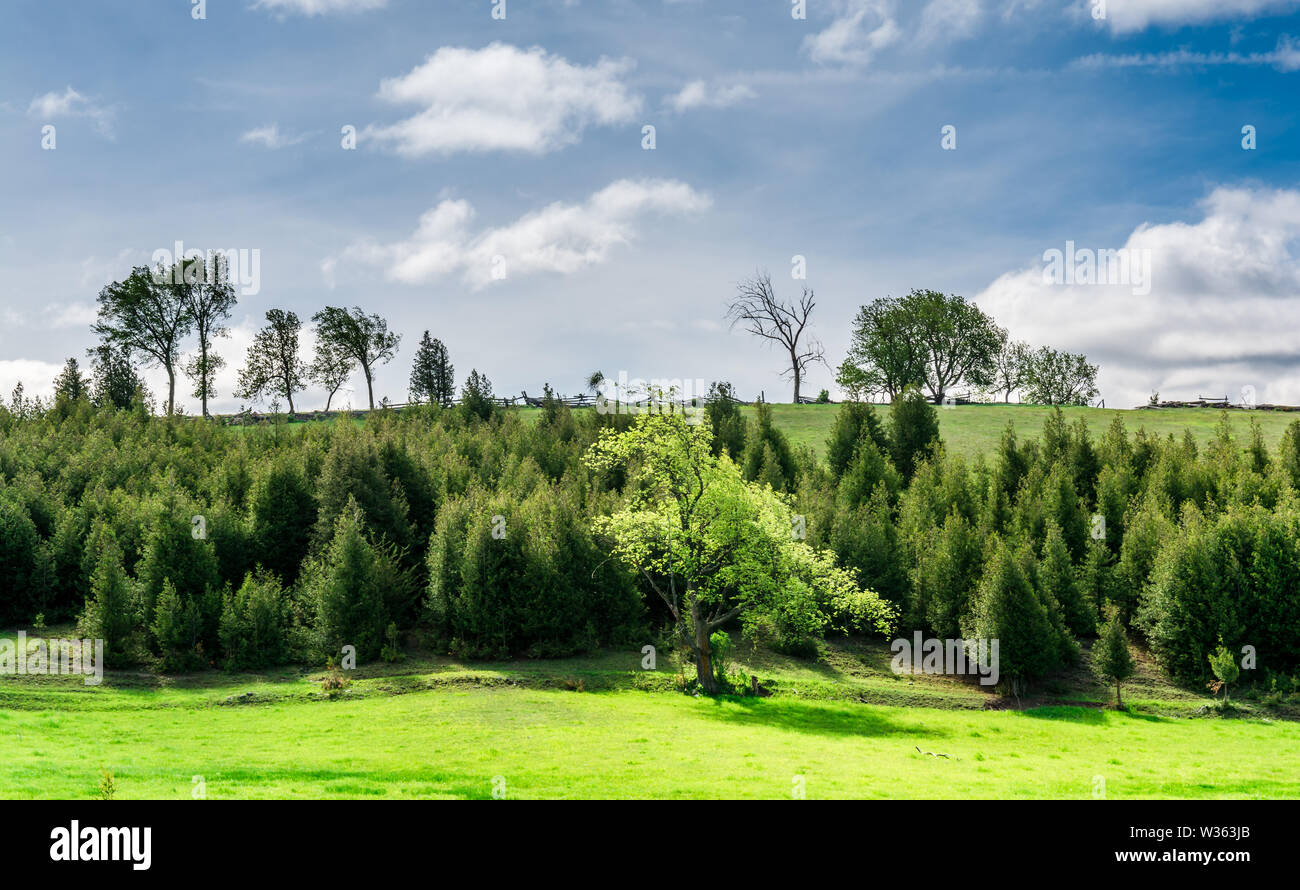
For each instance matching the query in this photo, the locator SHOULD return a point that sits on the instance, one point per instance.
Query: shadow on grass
(1095, 716)
(815, 719)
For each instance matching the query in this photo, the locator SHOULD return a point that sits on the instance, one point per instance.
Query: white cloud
(560, 238)
(1127, 16)
(502, 98)
(699, 94)
(71, 315)
(271, 137)
(319, 7)
(1223, 305)
(860, 30)
(1285, 57)
(944, 21)
(37, 377)
(70, 103)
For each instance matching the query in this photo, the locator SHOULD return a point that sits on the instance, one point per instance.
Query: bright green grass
(599, 727)
(545, 743)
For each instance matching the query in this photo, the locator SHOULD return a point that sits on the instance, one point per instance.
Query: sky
(482, 170)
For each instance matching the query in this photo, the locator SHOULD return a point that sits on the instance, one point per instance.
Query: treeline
(941, 342)
(480, 533)
(149, 318)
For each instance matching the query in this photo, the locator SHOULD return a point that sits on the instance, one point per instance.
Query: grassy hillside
(601, 727)
(974, 429)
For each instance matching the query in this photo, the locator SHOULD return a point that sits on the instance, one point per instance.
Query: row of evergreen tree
(472, 528)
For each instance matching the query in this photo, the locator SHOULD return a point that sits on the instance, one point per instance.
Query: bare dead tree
(758, 309)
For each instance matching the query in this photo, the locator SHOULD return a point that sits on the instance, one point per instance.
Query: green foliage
(432, 377)
(347, 588)
(725, 420)
(1111, 658)
(255, 624)
(913, 431)
(768, 457)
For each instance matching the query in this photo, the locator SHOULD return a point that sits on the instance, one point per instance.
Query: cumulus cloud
(502, 98)
(861, 29)
(1127, 16)
(319, 7)
(271, 137)
(70, 103)
(560, 238)
(1221, 313)
(700, 94)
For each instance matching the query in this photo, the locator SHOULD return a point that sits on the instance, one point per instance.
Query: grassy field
(976, 429)
(842, 726)
(970, 430)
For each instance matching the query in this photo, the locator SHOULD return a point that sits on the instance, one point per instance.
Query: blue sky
(519, 141)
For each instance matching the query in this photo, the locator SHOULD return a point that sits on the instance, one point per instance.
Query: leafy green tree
(1010, 368)
(885, 356)
(209, 296)
(715, 549)
(1060, 378)
(938, 341)
(1111, 658)
(273, 365)
(363, 338)
(146, 314)
(913, 431)
(330, 369)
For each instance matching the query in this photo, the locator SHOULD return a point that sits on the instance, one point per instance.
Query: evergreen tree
(71, 386)
(1057, 578)
(1111, 657)
(1007, 609)
(913, 431)
(425, 385)
(346, 589)
(109, 614)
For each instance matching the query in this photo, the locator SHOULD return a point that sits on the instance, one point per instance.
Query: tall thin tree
(209, 296)
(273, 364)
(146, 315)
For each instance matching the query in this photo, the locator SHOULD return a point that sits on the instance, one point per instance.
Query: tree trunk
(1119, 702)
(703, 657)
(370, 390)
(171, 390)
(794, 364)
(203, 374)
